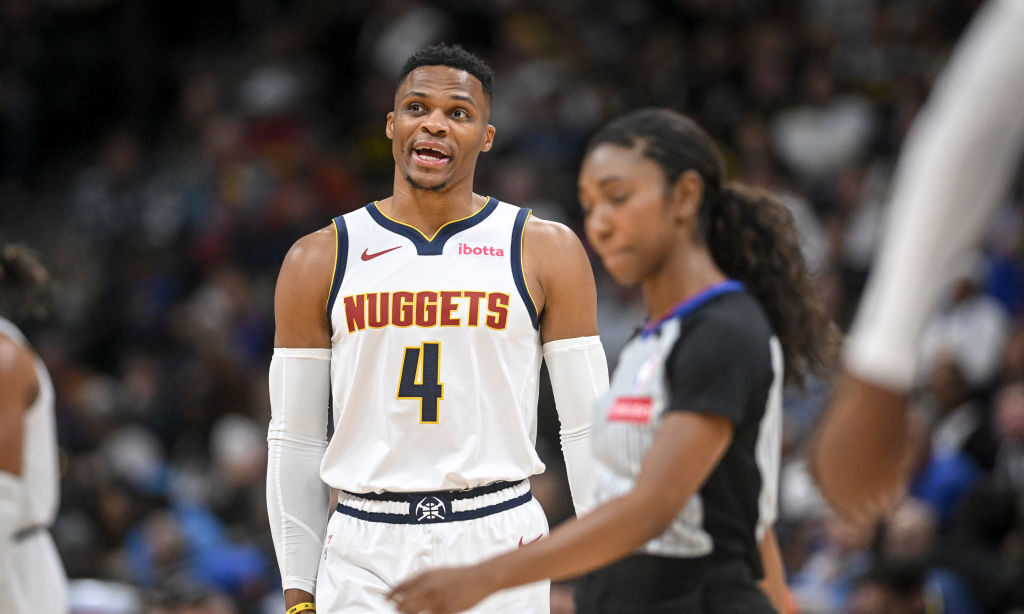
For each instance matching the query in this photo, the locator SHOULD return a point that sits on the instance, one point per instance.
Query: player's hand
(445, 590)
(860, 452)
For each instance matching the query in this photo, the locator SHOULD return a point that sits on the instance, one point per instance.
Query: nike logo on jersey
(368, 256)
(522, 543)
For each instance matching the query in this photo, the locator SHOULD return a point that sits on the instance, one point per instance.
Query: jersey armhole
(340, 260)
(518, 270)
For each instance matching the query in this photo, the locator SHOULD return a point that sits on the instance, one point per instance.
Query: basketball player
(32, 578)
(954, 169)
(421, 320)
(687, 440)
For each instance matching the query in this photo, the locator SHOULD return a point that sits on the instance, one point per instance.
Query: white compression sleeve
(297, 499)
(579, 374)
(956, 163)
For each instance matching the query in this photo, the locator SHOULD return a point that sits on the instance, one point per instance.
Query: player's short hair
(25, 285)
(453, 56)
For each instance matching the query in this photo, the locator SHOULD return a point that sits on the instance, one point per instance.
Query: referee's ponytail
(752, 237)
(749, 233)
(24, 283)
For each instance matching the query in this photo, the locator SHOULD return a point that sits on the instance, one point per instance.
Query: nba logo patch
(631, 409)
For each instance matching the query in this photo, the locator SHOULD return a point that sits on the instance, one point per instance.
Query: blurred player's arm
(563, 286)
(299, 391)
(954, 167)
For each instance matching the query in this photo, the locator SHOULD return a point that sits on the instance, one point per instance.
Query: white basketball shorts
(375, 541)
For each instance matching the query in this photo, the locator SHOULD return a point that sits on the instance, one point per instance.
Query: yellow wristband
(302, 607)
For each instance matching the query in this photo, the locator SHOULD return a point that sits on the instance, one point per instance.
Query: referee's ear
(685, 197)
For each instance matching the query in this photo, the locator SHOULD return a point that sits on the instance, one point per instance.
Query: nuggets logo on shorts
(430, 508)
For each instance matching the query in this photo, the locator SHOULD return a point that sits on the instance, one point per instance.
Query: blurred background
(162, 157)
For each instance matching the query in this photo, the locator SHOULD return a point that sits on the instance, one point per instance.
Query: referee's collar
(691, 303)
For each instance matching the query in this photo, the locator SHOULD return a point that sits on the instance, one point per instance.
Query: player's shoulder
(315, 249)
(17, 362)
(550, 236)
(309, 264)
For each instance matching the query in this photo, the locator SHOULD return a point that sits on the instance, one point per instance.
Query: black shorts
(645, 584)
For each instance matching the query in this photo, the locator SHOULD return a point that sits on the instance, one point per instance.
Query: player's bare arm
(18, 389)
(560, 280)
(17, 392)
(300, 300)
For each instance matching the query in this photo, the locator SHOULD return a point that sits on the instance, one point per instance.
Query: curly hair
(750, 235)
(453, 56)
(25, 284)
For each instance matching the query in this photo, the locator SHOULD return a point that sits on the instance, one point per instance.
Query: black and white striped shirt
(715, 353)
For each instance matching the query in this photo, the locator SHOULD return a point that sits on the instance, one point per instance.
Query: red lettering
(448, 305)
(426, 309)
(497, 304)
(355, 312)
(402, 308)
(380, 309)
(474, 306)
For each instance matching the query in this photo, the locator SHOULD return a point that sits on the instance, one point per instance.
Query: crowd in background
(162, 157)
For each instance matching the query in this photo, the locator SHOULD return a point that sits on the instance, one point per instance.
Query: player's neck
(427, 210)
(678, 279)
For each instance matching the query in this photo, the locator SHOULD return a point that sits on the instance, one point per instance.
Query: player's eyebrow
(460, 97)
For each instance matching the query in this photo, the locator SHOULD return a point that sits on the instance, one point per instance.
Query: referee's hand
(445, 590)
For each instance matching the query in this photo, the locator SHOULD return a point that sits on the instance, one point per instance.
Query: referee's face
(623, 195)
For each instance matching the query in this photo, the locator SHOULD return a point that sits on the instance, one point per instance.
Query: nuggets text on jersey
(426, 309)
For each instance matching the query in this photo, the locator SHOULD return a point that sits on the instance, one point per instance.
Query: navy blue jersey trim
(330, 415)
(433, 246)
(516, 258)
(340, 260)
(689, 305)
(448, 516)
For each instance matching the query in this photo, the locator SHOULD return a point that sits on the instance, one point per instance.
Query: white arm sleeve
(955, 165)
(579, 374)
(297, 499)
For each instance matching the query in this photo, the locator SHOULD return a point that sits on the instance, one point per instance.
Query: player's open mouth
(430, 156)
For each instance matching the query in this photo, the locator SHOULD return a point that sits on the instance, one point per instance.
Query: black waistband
(435, 506)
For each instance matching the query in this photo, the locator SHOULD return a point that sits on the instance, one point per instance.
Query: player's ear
(389, 129)
(488, 138)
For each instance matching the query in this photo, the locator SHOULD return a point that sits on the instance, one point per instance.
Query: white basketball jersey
(435, 354)
(39, 470)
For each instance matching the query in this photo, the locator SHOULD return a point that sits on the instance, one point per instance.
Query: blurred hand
(860, 453)
(445, 590)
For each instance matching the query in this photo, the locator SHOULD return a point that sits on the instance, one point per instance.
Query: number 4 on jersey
(420, 382)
